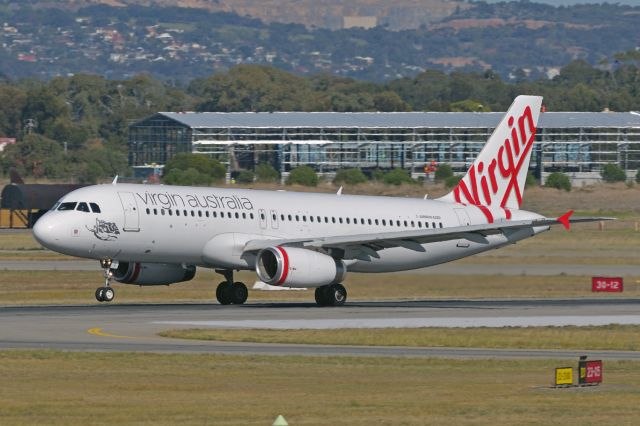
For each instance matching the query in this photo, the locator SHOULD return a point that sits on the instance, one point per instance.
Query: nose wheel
(106, 293)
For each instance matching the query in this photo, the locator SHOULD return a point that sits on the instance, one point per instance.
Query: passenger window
(67, 206)
(426, 224)
(361, 221)
(214, 214)
(155, 211)
(83, 207)
(311, 218)
(199, 213)
(229, 215)
(297, 218)
(413, 225)
(282, 217)
(273, 216)
(262, 216)
(251, 215)
(148, 211)
(340, 219)
(376, 221)
(333, 219)
(405, 224)
(419, 224)
(237, 215)
(289, 216)
(347, 221)
(244, 215)
(177, 212)
(384, 222)
(440, 224)
(326, 219)
(185, 213)
(96, 208)
(170, 212)
(369, 221)
(304, 218)
(162, 212)
(319, 219)
(434, 224)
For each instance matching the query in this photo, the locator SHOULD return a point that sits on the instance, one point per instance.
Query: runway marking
(98, 332)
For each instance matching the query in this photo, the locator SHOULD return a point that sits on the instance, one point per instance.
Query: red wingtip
(564, 219)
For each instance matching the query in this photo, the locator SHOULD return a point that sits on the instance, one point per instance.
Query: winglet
(564, 219)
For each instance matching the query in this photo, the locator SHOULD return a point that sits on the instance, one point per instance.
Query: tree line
(76, 127)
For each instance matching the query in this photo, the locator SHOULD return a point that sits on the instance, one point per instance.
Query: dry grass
(61, 287)
(57, 388)
(612, 337)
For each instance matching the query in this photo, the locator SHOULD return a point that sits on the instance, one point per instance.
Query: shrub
(377, 175)
(245, 176)
(443, 172)
(613, 173)
(266, 173)
(350, 177)
(303, 175)
(397, 177)
(452, 181)
(531, 180)
(638, 176)
(558, 180)
(189, 177)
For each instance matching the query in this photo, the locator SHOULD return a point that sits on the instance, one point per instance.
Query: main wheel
(223, 293)
(99, 296)
(321, 296)
(337, 295)
(239, 293)
(108, 294)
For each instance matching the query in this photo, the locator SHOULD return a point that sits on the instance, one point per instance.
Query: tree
(349, 177)
(613, 173)
(36, 156)
(303, 175)
(559, 181)
(397, 177)
(188, 177)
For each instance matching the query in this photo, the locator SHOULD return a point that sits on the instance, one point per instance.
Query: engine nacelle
(298, 267)
(152, 273)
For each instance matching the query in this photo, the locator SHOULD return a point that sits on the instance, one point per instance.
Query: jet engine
(152, 273)
(298, 267)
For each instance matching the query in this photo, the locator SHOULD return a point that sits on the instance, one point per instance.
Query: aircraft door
(131, 214)
(274, 219)
(263, 219)
(463, 217)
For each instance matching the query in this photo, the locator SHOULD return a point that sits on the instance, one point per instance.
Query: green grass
(62, 388)
(612, 337)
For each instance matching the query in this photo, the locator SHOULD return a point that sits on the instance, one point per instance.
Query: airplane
(159, 235)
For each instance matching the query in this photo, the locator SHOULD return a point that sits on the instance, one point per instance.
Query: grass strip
(72, 388)
(611, 337)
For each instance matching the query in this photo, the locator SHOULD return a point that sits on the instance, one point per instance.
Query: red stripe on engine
(136, 273)
(285, 265)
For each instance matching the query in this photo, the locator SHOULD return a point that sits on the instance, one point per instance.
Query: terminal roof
(395, 119)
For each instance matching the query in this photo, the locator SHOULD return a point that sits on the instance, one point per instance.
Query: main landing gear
(229, 292)
(106, 293)
(331, 295)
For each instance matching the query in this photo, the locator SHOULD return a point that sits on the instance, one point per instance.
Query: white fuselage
(209, 227)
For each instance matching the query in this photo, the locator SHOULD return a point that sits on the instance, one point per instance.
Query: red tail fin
(564, 220)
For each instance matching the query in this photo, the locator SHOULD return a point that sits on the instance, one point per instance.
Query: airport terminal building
(576, 143)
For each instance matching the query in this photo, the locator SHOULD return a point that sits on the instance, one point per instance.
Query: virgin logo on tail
(496, 178)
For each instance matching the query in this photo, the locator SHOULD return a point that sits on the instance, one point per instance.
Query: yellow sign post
(564, 376)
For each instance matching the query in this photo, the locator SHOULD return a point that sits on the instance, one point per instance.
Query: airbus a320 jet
(159, 235)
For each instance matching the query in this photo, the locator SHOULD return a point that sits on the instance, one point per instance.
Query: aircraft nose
(46, 232)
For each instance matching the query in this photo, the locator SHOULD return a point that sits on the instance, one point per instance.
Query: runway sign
(564, 376)
(607, 284)
(590, 372)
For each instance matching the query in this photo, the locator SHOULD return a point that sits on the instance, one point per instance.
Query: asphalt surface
(125, 327)
(454, 268)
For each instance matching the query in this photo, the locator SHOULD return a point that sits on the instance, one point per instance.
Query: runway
(126, 327)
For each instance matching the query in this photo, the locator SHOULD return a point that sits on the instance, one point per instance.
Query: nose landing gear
(106, 293)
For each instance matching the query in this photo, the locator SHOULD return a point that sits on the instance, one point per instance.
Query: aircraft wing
(364, 246)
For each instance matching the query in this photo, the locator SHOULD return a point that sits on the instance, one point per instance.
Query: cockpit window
(55, 206)
(94, 207)
(83, 207)
(67, 206)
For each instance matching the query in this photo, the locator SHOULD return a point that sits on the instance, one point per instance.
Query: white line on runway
(459, 322)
